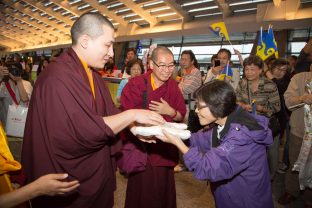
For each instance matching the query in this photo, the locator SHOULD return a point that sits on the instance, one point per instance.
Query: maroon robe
(65, 133)
(155, 186)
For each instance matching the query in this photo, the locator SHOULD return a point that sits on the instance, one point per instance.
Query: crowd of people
(74, 127)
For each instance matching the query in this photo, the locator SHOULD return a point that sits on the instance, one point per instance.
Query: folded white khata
(176, 129)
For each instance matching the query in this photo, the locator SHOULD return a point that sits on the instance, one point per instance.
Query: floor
(191, 193)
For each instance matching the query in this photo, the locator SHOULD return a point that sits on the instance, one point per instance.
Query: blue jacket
(237, 168)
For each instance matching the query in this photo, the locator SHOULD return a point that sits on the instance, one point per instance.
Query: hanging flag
(220, 30)
(139, 48)
(226, 72)
(267, 45)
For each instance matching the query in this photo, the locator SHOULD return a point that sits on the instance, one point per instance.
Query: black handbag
(274, 125)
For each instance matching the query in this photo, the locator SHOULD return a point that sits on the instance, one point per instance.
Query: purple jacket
(237, 168)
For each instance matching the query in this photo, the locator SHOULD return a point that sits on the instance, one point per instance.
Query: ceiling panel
(25, 23)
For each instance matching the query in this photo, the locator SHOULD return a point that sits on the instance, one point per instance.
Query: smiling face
(98, 50)
(204, 114)
(163, 67)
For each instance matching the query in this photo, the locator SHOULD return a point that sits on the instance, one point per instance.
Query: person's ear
(151, 65)
(83, 41)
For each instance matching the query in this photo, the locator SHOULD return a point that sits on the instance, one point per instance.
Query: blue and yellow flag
(267, 45)
(226, 72)
(220, 30)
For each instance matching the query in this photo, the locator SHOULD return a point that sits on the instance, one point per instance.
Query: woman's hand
(245, 106)
(216, 70)
(52, 184)
(168, 138)
(3, 72)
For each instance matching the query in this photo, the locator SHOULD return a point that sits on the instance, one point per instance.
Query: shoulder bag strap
(13, 96)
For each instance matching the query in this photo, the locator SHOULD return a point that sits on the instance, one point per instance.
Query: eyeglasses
(281, 69)
(199, 107)
(163, 66)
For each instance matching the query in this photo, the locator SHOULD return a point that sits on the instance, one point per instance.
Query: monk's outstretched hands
(148, 117)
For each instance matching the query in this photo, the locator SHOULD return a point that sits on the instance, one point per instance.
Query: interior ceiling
(30, 24)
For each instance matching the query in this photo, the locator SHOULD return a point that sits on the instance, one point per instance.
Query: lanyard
(13, 96)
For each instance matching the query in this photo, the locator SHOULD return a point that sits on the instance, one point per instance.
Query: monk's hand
(148, 117)
(53, 184)
(161, 107)
(147, 139)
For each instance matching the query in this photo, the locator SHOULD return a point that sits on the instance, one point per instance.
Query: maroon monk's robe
(65, 133)
(155, 186)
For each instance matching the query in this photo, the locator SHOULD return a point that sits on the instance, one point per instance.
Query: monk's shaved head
(89, 24)
(160, 50)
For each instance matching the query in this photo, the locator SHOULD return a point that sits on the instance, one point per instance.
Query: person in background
(50, 184)
(20, 90)
(224, 56)
(212, 61)
(294, 95)
(191, 76)
(240, 57)
(72, 120)
(155, 186)
(305, 58)
(43, 64)
(232, 154)
(130, 56)
(109, 68)
(292, 60)
(259, 94)
(280, 75)
(135, 68)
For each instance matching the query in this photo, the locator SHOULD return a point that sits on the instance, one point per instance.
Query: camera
(14, 68)
(217, 62)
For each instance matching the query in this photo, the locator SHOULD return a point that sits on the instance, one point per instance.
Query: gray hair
(89, 24)
(159, 49)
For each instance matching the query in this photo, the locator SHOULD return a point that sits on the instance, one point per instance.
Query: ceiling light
(202, 9)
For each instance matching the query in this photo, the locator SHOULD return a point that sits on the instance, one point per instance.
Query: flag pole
(222, 42)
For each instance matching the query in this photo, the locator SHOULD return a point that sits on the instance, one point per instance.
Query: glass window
(296, 47)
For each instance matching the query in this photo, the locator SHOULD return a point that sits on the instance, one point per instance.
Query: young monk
(72, 121)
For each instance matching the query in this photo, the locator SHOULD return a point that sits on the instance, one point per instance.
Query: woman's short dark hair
(219, 96)
(132, 63)
(277, 63)
(255, 60)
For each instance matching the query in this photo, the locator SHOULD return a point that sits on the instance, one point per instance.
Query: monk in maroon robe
(155, 186)
(72, 121)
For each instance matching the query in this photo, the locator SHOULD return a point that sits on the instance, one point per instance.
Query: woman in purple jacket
(232, 154)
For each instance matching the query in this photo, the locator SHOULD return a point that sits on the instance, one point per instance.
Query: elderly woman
(232, 154)
(257, 94)
(135, 68)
